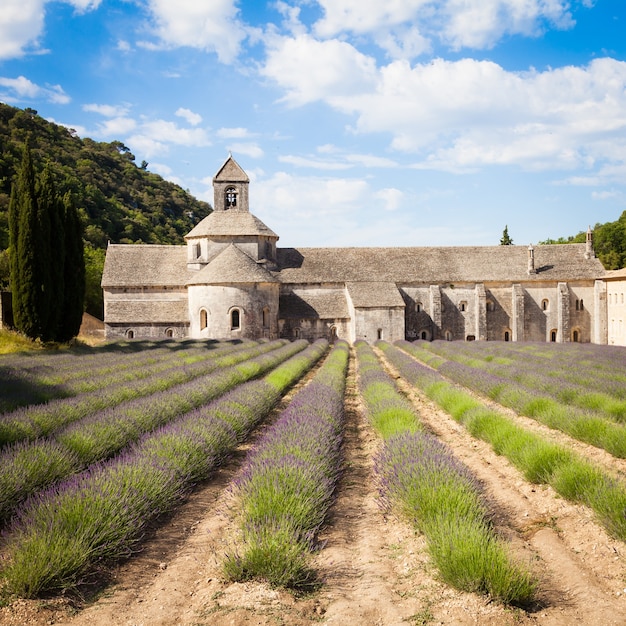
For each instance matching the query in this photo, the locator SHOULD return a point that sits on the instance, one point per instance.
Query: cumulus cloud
(463, 114)
(211, 26)
(107, 110)
(22, 23)
(192, 118)
(390, 198)
(251, 149)
(405, 27)
(305, 196)
(22, 89)
(311, 70)
(233, 133)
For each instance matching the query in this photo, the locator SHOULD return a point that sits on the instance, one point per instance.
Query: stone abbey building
(231, 280)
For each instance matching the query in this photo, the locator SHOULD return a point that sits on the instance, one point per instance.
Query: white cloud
(192, 118)
(233, 133)
(165, 171)
(463, 114)
(318, 164)
(211, 26)
(22, 89)
(311, 70)
(169, 132)
(116, 127)
(22, 23)
(304, 196)
(107, 110)
(390, 197)
(253, 150)
(606, 195)
(405, 27)
(338, 162)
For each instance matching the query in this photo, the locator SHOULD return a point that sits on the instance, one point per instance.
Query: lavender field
(100, 448)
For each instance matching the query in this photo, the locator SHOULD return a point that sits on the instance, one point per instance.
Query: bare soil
(373, 567)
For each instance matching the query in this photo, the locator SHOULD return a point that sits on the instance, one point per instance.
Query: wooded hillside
(118, 200)
(609, 242)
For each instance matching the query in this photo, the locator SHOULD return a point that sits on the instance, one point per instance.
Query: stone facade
(616, 307)
(230, 280)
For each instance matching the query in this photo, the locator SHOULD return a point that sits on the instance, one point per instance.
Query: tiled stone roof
(309, 303)
(616, 274)
(231, 171)
(231, 223)
(145, 265)
(231, 265)
(366, 295)
(431, 265)
(147, 311)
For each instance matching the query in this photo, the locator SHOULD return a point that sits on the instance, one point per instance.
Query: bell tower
(230, 188)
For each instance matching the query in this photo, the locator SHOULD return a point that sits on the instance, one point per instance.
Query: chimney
(589, 253)
(531, 260)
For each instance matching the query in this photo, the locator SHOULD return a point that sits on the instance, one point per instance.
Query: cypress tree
(51, 253)
(30, 310)
(46, 257)
(74, 273)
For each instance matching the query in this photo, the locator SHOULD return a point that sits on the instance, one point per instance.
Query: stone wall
(257, 305)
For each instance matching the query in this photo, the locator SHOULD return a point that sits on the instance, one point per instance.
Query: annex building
(231, 280)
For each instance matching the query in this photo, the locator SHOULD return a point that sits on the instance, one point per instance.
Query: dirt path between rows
(373, 567)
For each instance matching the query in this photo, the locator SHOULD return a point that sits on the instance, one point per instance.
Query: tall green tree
(74, 273)
(29, 271)
(46, 257)
(506, 239)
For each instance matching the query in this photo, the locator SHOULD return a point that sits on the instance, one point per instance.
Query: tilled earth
(373, 567)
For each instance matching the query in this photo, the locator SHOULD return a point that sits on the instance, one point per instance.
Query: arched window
(507, 335)
(296, 333)
(553, 336)
(204, 319)
(448, 335)
(169, 332)
(545, 305)
(424, 335)
(491, 305)
(575, 336)
(230, 198)
(577, 305)
(235, 319)
(581, 304)
(379, 333)
(266, 318)
(463, 306)
(130, 334)
(418, 307)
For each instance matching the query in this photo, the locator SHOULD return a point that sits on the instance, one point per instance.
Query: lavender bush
(106, 433)
(61, 536)
(541, 461)
(289, 479)
(437, 494)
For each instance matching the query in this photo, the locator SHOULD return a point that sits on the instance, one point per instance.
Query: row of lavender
(33, 421)
(438, 494)
(26, 467)
(289, 479)
(585, 375)
(596, 427)
(60, 536)
(39, 377)
(541, 461)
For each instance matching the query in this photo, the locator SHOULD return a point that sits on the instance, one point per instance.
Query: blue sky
(359, 122)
